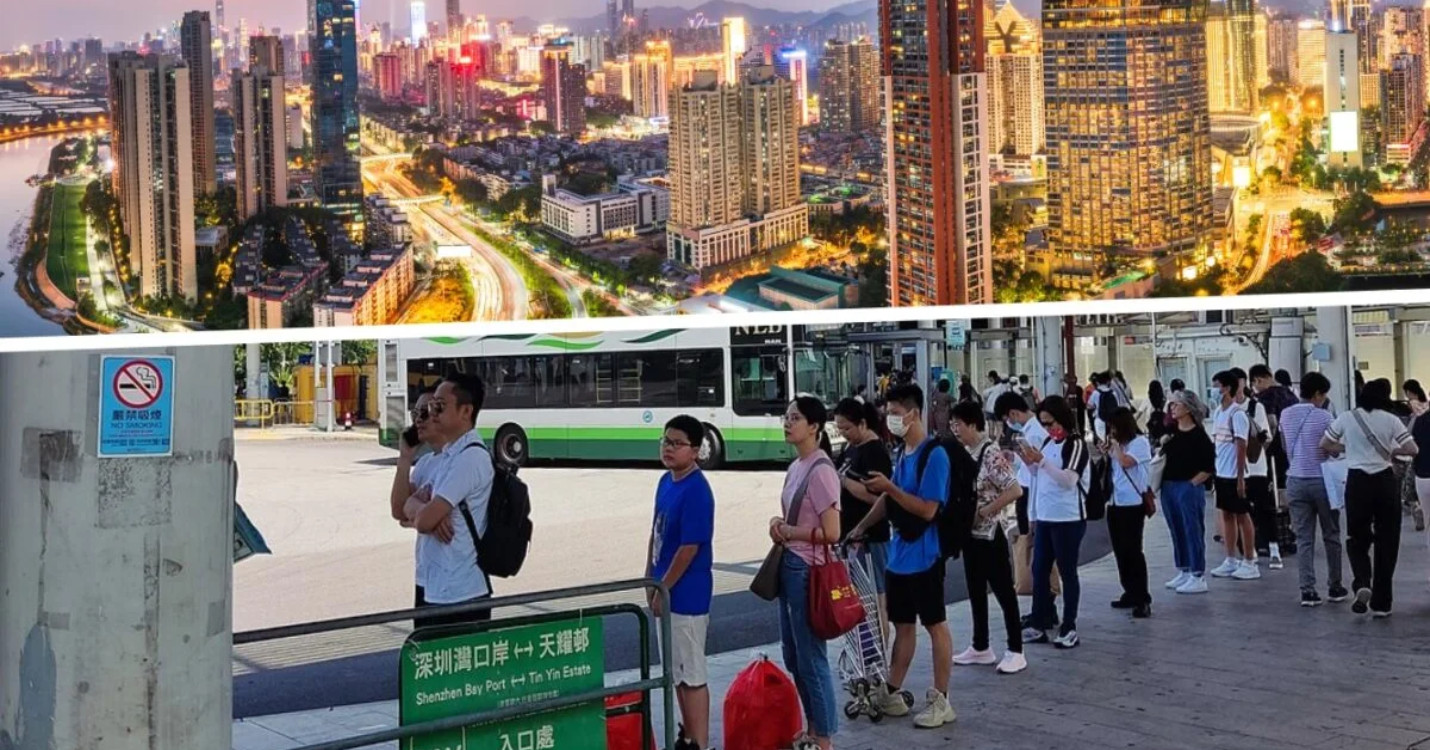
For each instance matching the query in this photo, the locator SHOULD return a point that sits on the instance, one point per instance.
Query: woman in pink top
(810, 504)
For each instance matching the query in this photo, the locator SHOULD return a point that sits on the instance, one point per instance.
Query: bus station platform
(1240, 666)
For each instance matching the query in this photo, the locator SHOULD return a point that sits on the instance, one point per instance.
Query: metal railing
(647, 683)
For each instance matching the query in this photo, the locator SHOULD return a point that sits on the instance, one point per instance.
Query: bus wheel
(511, 445)
(712, 449)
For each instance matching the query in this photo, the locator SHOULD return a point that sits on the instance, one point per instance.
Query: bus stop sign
(461, 674)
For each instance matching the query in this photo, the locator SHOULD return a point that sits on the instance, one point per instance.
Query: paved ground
(1243, 666)
(322, 508)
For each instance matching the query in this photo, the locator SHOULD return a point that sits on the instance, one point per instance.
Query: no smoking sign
(136, 415)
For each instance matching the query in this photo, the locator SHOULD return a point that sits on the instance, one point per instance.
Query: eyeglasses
(421, 414)
(436, 407)
(666, 442)
(792, 418)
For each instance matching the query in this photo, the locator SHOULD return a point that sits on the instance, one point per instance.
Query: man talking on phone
(419, 458)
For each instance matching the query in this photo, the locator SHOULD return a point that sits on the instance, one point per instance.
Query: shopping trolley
(863, 662)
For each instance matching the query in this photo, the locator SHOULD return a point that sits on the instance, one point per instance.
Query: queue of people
(1032, 491)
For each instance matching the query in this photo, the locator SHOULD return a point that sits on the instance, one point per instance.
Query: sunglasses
(421, 414)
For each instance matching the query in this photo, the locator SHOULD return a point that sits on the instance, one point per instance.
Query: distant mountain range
(714, 10)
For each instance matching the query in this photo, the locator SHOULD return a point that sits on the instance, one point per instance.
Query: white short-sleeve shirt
(465, 477)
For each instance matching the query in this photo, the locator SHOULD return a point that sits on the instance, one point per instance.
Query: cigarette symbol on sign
(138, 384)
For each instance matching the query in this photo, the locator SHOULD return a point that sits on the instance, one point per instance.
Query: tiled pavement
(1240, 667)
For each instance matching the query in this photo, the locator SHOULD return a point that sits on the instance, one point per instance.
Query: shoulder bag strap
(1374, 439)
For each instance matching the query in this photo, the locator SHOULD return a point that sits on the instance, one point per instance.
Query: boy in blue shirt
(914, 582)
(679, 556)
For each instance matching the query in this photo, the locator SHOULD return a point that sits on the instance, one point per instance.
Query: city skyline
(107, 20)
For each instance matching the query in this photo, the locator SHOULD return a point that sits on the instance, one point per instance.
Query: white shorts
(687, 649)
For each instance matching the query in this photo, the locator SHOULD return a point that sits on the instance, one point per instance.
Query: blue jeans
(875, 555)
(1184, 505)
(1060, 542)
(806, 657)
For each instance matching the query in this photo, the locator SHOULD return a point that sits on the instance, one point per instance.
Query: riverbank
(32, 283)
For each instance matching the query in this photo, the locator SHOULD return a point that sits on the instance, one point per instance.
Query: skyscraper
(1015, 84)
(1343, 99)
(153, 174)
(613, 18)
(849, 87)
(563, 88)
(196, 43)
(1231, 56)
(937, 152)
(418, 19)
(332, 39)
(1281, 47)
(1129, 134)
(792, 64)
(260, 139)
(1310, 53)
(769, 147)
(733, 46)
(734, 168)
(1402, 106)
(267, 52)
(651, 72)
(454, 20)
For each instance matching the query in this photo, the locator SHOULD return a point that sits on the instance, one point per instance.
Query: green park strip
(66, 258)
(548, 295)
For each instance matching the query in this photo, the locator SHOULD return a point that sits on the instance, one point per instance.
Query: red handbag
(834, 606)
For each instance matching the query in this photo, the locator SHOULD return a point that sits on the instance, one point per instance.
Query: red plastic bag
(762, 709)
(834, 607)
(623, 723)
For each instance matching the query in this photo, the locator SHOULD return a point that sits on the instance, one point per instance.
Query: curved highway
(499, 291)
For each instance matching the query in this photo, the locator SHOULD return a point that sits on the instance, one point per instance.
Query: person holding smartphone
(419, 458)
(866, 454)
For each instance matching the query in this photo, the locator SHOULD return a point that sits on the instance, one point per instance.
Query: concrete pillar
(1048, 354)
(252, 371)
(115, 573)
(1333, 328)
(332, 361)
(1401, 331)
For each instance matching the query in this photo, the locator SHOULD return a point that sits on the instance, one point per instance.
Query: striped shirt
(1302, 427)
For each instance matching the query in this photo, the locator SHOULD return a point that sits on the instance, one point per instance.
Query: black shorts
(916, 598)
(1227, 498)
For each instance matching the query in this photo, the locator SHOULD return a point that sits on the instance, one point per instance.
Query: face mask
(1057, 433)
(1014, 426)
(897, 426)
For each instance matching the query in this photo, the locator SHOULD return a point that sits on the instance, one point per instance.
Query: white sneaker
(1013, 663)
(971, 657)
(1181, 578)
(1248, 571)
(1276, 563)
(1194, 585)
(937, 713)
(1227, 567)
(892, 704)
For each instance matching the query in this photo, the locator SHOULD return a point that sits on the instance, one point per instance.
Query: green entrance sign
(461, 674)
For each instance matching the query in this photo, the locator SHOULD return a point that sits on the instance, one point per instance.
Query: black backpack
(1108, 402)
(1259, 439)
(503, 550)
(955, 520)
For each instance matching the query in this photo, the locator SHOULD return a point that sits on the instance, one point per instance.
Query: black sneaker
(1338, 594)
(1122, 603)
(1142, 611)
(1362, 603)
(1310, 599)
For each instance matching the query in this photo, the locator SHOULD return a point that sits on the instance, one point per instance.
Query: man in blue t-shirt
(912, 500)
(679, 556)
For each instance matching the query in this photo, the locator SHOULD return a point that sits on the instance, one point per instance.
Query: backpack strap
(471, 522)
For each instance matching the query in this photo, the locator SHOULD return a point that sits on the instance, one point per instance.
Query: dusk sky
(129, 19)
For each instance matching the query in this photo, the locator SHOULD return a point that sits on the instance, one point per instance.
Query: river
(19, 160)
